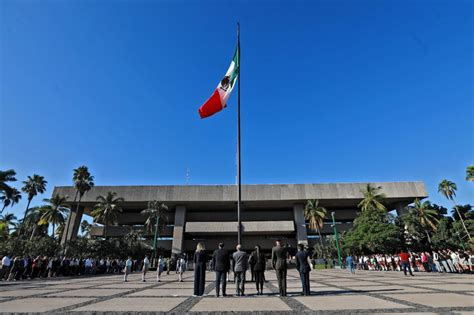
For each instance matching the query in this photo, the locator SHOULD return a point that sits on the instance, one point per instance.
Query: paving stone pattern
(333, 292)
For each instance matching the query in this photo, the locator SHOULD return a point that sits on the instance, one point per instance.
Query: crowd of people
(226, 264)
(22, 268)
(448, 261)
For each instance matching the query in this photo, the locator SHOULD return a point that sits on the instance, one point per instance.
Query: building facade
(208, 213)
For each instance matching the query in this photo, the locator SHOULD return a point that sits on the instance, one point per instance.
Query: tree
(448, 189)
(53, 212)
(373, 232)
(373, 199)
(445, 235)
(5, 177)
(31, 222)
(107, 209)
(83, 182)
(156, 217)
(470, 173)
(425, 215)
(466, 212)
(9, 220)
(33, 186)
(10, 198)
(315, 214)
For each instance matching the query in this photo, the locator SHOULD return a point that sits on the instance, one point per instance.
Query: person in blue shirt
(350, 264)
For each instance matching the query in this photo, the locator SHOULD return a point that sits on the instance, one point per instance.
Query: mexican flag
(218, 99)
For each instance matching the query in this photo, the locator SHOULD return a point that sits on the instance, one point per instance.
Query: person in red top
(405, 262)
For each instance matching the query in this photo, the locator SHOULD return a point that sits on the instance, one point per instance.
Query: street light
(337, 240)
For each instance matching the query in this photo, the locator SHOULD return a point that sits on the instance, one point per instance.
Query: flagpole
(239, 191)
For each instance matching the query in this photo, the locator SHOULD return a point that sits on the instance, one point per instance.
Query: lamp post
(337, 240)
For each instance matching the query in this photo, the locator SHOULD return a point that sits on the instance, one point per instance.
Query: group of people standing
(26, 267)
(442, 261)
(223, 262)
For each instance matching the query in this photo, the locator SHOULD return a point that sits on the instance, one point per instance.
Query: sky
(331, 91)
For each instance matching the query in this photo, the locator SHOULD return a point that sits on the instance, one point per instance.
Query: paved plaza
(334, 292)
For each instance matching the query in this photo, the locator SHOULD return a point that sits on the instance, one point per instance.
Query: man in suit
(221, 263)
(279, 264)
(241, 260)
(303, 266)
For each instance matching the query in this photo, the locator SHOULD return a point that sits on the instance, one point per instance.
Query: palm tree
(107, 209)
(470, 173)
(373, 199)
(10, 198)
(425, 216)
(31, 221)
(32, 186)
(315, 215)
(53, 212)
(5, 177)
(448, 189)
(156, 217)
(8, 219)
(83, 182)
(132, 238)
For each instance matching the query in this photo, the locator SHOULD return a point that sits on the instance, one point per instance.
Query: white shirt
(88, 262)
(6, 261)
(146, 261)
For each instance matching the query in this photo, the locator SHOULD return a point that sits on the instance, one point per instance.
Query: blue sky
(332, 91)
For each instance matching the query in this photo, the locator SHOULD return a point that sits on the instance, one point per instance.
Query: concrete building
(208, 212)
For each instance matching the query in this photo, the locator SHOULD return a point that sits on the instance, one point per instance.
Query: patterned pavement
(333, 292)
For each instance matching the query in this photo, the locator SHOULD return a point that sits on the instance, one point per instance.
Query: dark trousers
(221, 277)
(199, 278)
(259, 279)
(305, 283)
(281, 277)
(426, 266)
(406, 266)
(240, 282)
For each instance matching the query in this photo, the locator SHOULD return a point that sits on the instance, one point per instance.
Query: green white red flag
(218, 99)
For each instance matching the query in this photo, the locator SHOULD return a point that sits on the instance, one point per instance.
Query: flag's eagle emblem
(225, 83)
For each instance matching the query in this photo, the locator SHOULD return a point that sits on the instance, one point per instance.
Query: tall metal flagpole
(239, 223)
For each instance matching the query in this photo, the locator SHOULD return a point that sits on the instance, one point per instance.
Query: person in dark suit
(259, 262)
(200, 260)
(303, 266)
(221, 263)
(279, 264)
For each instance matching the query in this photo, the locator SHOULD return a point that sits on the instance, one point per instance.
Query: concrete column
(72, 224)
(178, 231)
(298, 214)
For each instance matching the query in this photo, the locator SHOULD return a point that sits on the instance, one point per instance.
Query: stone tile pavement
(333, 292)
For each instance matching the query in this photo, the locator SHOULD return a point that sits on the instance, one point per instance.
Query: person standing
(241, 260)
(252, 268)
(303, 266)
(405, 262)
(145, 267)
(350, 263)
(6, 264)
(128, 268)
(160, 268)
(180, 267)
(221, 263)
(200, 260)
(259, 261)
(280, 266)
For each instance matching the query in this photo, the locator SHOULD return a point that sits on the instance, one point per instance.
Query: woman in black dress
(258, 259)
(200, 260)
